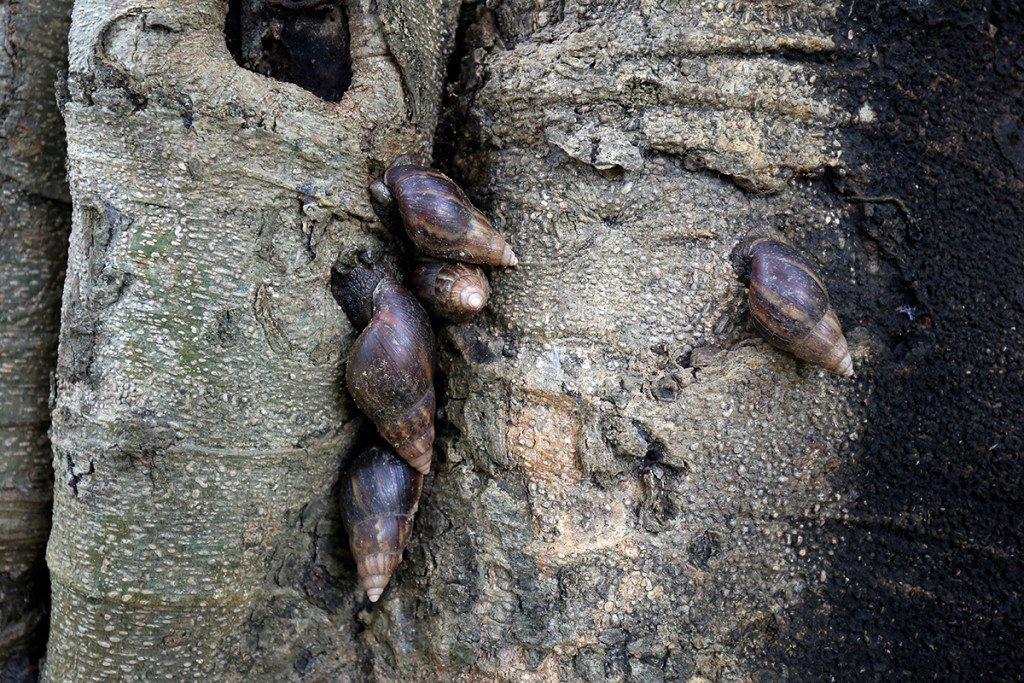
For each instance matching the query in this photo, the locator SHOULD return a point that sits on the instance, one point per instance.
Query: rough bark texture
(625, 481)
(631, 486)
(199, 420)
(629, 472)
(927, 572)
(34, 221)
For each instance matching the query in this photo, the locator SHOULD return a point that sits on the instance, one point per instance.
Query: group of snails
(391, 364)
(390, 372)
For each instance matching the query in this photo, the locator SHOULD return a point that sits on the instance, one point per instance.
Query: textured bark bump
(420, 36)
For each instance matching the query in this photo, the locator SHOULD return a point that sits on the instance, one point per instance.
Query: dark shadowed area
(926, 569)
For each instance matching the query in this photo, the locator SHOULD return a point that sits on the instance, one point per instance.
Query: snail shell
(449, 289)
(789, 304)
(390, 370)
(379, 497)
(441, 220)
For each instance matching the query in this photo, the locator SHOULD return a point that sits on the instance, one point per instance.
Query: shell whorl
(789, 304)
(449, 289)
(390, 369)
(441, 220)
(379, 497)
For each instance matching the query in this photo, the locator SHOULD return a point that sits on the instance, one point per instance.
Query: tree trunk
(630, 473)
(199, 420)
(623, 480)
(34, 221)
(631, 485)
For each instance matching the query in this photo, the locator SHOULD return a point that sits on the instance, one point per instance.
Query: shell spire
(789, 304)
(379, 497)
(449, 289)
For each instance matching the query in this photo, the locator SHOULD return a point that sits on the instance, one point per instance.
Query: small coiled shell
(789, 304)
(441, 220)
(379, 497)
(390, 370)
(449, 289)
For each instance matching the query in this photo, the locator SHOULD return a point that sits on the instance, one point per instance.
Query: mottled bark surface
(630, 485)
(627, 471)
(199, 420)
(630, 474)
(35, 218)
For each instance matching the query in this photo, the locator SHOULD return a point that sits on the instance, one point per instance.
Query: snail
(379, 497)
(390, 370)
(789, 304)
(438, 216)
(449, 289)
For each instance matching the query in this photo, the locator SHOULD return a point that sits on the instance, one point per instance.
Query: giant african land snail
(789, 304)
(390, 370)
(379, 497)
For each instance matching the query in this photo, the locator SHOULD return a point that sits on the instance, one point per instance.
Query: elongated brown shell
(441, 220)
(390, 370)
(449, 289)
(379, 497)
(789, 304)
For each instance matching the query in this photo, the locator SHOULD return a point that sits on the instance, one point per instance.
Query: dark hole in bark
(304, 42)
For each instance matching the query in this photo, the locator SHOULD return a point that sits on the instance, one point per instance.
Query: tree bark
(630, 471)
(199, 420)
(627, 472)
(34, 221)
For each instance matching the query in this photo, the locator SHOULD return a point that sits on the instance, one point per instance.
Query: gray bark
(630, 472)
(34, 221)
(199, 422)
(626, 471)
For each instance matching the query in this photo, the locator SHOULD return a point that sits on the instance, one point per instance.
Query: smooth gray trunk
(199, 420)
